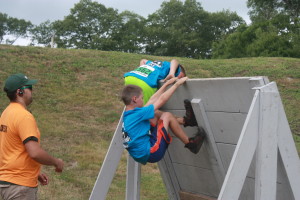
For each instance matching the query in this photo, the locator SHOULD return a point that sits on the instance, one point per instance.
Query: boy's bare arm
(174, 65)
(143, 62)
(167, 94)
(160, 91)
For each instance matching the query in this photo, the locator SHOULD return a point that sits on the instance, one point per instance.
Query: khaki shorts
(17, 192)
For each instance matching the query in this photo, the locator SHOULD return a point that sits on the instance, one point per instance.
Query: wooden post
(242, 156)
(266, 152)
(109, 166)
(215, 158)
(133, 179)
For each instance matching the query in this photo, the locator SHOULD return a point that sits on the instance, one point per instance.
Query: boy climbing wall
(145, 128)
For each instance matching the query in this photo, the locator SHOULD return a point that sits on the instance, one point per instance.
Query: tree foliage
(129, 37)
(261, 10)
(3, 26)
(13, 27)
(185, 29)
(90, 25)
(275, 31)
(267, 38)
(43, 34)
(178, 28)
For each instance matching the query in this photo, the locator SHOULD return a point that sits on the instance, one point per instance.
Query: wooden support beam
(109, 166)
(133, 179)
(243, 155)
(169, 176)
(214, 155)
(266, 152)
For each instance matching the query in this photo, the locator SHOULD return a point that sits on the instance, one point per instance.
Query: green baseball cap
(16, 81)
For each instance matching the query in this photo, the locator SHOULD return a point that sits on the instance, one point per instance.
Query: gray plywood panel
(248, 191)
(226, 152)
(225, 126)
(227, 95)
(196, 180)
(181, 155)
(283, 192)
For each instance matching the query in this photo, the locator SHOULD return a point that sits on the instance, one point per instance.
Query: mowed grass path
(77, 108)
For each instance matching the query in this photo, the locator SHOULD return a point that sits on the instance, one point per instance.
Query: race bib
(143, 70)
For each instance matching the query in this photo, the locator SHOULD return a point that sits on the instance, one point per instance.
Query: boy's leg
(194, 143)
(158, 114)
(154, 120)
(180, 120)
(170, 121)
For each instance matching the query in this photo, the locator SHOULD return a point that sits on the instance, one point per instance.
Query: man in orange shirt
(21, 156)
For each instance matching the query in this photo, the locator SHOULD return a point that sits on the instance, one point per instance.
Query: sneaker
(196, 142)
(189, 118)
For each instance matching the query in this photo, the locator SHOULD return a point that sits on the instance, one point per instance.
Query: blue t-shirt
(136, 126)
(152, 72)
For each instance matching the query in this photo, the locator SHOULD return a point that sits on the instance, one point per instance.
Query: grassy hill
(77, 108)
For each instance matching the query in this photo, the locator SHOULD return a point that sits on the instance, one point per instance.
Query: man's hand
(43, 179)
(59, 165)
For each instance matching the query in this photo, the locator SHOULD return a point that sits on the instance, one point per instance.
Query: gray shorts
(17, 192)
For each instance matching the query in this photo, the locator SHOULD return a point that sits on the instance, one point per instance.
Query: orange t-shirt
(16, 125)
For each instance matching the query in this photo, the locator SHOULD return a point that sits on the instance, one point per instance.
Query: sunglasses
(26, 86)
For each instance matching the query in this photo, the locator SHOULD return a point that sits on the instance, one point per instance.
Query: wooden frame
(267, 132)
(264, 163)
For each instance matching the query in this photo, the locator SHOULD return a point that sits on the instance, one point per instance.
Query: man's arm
(164, 97)
(41, 156)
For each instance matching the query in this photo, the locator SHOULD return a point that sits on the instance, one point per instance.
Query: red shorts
(159, 141)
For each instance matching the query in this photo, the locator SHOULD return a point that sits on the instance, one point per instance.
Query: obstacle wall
(221, 106)
(249, 152)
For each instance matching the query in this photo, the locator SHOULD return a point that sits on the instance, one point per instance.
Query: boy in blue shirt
(149, 73)
(145, 127)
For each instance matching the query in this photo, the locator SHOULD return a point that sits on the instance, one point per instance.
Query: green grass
(77, 108)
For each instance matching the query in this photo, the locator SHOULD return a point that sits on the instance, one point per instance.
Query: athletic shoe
(196, 142)
(189, 118)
